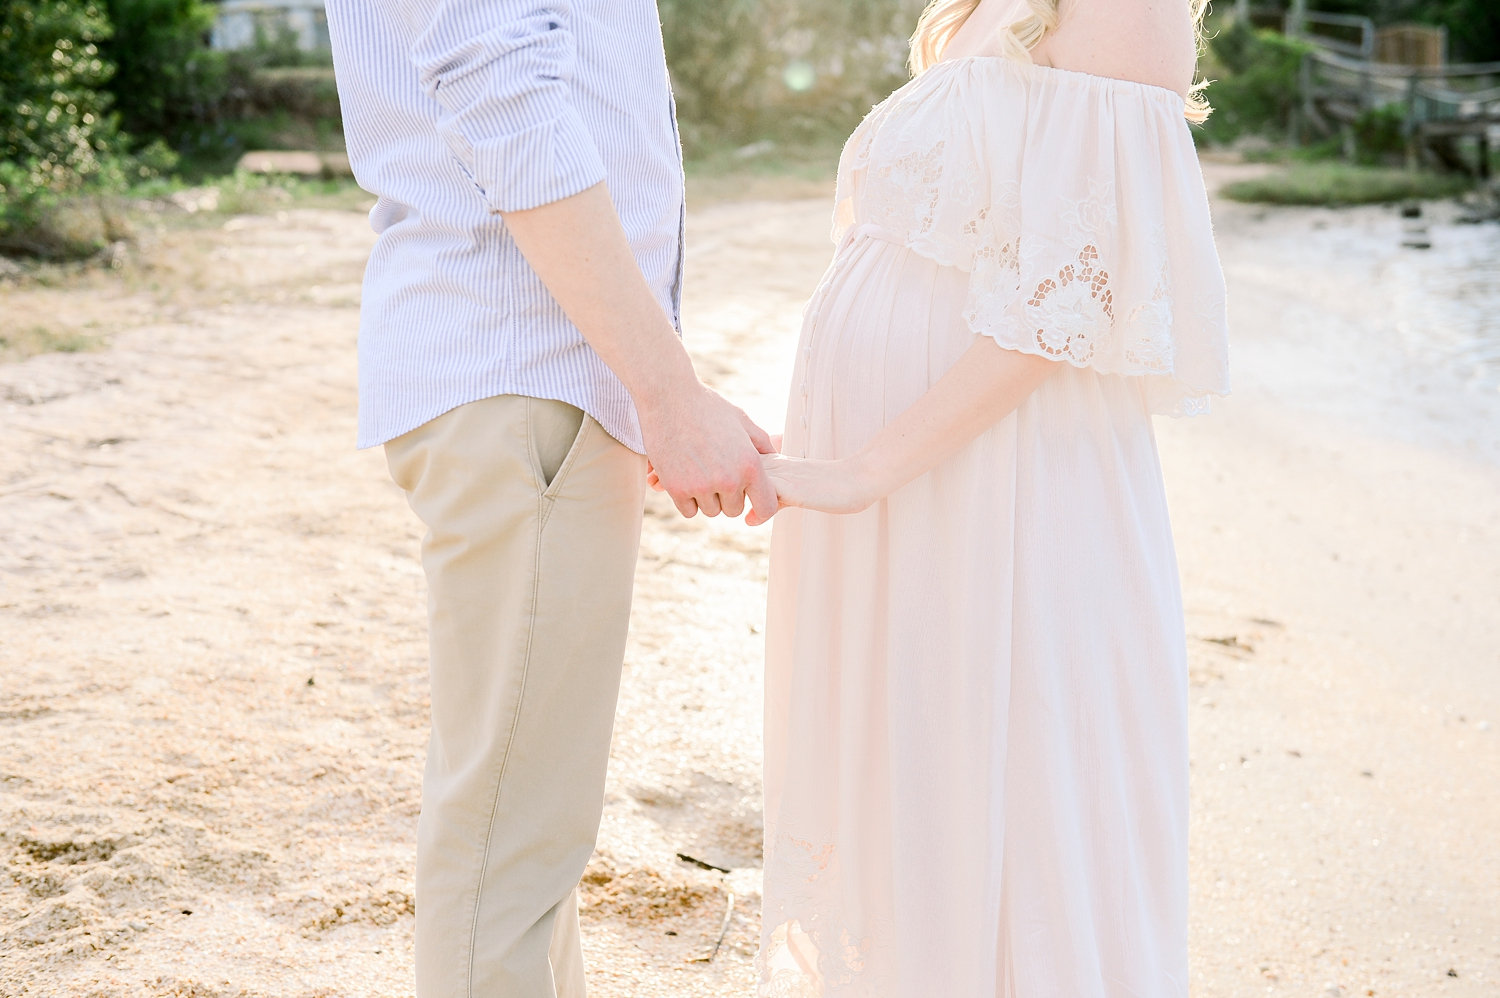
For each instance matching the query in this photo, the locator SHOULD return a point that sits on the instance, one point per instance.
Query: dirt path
(213, 716)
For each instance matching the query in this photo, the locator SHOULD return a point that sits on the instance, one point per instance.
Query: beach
(212, 628)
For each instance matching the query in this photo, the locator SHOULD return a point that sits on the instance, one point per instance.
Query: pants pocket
(555, 430)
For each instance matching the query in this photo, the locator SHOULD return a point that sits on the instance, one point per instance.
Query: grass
(1336, 184)
(79, 230)
(242, 193)
(766, 170)
(18, 344)
(762, 171)
(77, 235)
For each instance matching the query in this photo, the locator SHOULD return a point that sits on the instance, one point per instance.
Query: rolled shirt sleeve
(501, 72)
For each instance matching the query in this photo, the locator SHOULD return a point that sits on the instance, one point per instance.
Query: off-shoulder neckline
(1075, 75)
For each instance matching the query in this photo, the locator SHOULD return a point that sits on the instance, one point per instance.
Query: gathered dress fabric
(976, 721)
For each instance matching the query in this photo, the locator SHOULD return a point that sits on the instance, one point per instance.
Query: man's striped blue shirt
(458, 110)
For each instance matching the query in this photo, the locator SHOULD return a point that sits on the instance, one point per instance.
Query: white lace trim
(807, 951)
(1067, 248)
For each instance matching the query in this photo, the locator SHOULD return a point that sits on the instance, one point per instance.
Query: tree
(741, 68)
(168, 81)
(56, 130)
(1473, 25)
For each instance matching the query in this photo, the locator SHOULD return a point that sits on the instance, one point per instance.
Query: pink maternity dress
(976, 731)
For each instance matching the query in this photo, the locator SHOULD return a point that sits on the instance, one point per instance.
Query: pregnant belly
(885, 325)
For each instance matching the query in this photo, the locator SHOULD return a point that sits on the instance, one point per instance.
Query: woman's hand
(825, 486)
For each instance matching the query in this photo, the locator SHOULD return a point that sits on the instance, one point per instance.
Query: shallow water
(1452, 294)
(1336, 311)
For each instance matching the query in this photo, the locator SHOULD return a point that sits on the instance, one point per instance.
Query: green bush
(309, 93)
(271, 94)
(60, 145)
(56, 129)
(168, 84)
(1255, 88)
(1379, 135)
(278, 46)
(208, 106)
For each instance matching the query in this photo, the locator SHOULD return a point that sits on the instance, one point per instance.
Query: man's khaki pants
(533, 518)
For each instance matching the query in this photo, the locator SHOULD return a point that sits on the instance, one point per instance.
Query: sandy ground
(213, 711)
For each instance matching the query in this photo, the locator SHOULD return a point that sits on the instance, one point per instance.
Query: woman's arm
(985, 386)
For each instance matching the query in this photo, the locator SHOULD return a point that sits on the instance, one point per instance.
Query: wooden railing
(1346, 34)
(1441, 105)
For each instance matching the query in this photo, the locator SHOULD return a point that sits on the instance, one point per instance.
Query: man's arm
(500, 70)
(705, 451)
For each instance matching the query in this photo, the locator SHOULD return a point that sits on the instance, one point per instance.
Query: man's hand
(705, 453)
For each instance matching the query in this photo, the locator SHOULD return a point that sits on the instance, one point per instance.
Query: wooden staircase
(1450, 113)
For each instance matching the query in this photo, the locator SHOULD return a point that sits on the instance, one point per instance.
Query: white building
(243, 22)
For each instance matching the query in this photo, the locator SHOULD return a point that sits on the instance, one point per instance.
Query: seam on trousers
(533, 459)
(510, 741)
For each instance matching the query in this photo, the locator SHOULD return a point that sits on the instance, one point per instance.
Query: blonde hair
(942, 19)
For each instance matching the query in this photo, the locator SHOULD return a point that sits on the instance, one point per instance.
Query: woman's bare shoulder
(1148, 41)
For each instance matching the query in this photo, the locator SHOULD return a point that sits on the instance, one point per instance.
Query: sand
(211, 627)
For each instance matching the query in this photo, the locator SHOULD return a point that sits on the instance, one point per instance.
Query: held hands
(841, 486)
(706, 454)
(985, 386)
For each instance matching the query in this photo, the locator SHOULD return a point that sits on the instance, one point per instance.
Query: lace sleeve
(1077, 208)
